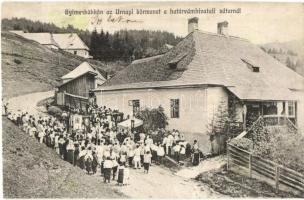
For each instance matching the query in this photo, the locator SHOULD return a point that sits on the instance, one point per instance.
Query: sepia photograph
(157, 100)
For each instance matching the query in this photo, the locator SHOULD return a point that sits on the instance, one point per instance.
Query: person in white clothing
(33, 131)
(160, 154)
(126, 178)
(136, 159)
(41, 135)
(169, 144)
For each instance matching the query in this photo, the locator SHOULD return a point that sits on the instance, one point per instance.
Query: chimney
(192, 24)
(222, 28)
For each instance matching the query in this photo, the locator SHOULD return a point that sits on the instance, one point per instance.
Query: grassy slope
(32, 170)
(239, 186)
(40, 67)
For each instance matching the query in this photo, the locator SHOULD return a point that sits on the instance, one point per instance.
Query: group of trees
(279, 51)
(293, 65)
(122, 45)
(39, 27)
(287, 57)
(129, 44)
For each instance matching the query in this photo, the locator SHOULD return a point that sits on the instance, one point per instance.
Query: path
(28, 102)
(159, 183)
(162, 183)
(205, 166)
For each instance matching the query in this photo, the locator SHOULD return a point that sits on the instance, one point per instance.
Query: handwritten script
(97, 20)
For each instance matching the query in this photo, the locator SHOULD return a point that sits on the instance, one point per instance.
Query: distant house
(201, 73)
(72, 43)
(45, 39)
(76, 86)
(69, 42)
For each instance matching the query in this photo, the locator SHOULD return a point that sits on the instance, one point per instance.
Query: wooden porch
(274, 113)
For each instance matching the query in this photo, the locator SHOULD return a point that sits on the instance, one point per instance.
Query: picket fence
(277, 173)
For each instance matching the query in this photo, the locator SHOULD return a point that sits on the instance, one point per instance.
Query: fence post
(277, 175)
(249, 167)
(228, 156)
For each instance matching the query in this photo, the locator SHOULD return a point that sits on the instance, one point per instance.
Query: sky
(258, 22)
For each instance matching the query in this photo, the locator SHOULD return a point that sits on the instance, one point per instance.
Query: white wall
(80, 52)
(51, 46)
(216, 96)
(194, 111)
(192, 104)
(300, 111)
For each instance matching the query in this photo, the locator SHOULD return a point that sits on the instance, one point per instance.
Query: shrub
(243, 143)
(287, 150)
(55, 111)
(223, 126)
(152, 118)
(281, 145)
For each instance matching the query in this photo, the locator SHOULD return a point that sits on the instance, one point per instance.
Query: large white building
(69, 42)
(201, 73)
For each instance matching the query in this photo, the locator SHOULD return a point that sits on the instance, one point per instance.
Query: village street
(159, 183)
(162, 183)
(28, 102)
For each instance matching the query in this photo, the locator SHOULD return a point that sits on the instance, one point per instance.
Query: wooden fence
(277, 173)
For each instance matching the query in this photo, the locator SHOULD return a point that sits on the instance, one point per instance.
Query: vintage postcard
(152, 99)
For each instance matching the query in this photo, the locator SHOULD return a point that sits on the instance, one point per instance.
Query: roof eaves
(167, 85)
(94, 73)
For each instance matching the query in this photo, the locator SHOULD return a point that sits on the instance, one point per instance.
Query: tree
(290, 64)
(299, 64)
(116, 46)
(223, 126)
(152, 118)
(124, 45)
(94, 44)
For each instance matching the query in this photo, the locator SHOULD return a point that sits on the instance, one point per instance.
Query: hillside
(29, 67)
(123, 45)
(32, 170)
(289, 53)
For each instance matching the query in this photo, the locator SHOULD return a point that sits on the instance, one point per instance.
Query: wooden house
(74, 91)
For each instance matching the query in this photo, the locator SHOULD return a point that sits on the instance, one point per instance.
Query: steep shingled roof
(42, 38)
(83, 68)
(211, 59)
(69, 41)
(156, 68)
(62, 40)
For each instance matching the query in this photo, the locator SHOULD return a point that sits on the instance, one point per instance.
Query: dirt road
(162, 183)
(159, 183)
(28, 102)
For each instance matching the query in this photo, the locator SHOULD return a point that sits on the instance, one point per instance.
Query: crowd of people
(101, 145)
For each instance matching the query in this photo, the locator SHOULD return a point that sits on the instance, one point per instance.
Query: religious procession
(97, 144)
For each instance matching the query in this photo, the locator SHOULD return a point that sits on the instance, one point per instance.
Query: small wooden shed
(75, 92)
